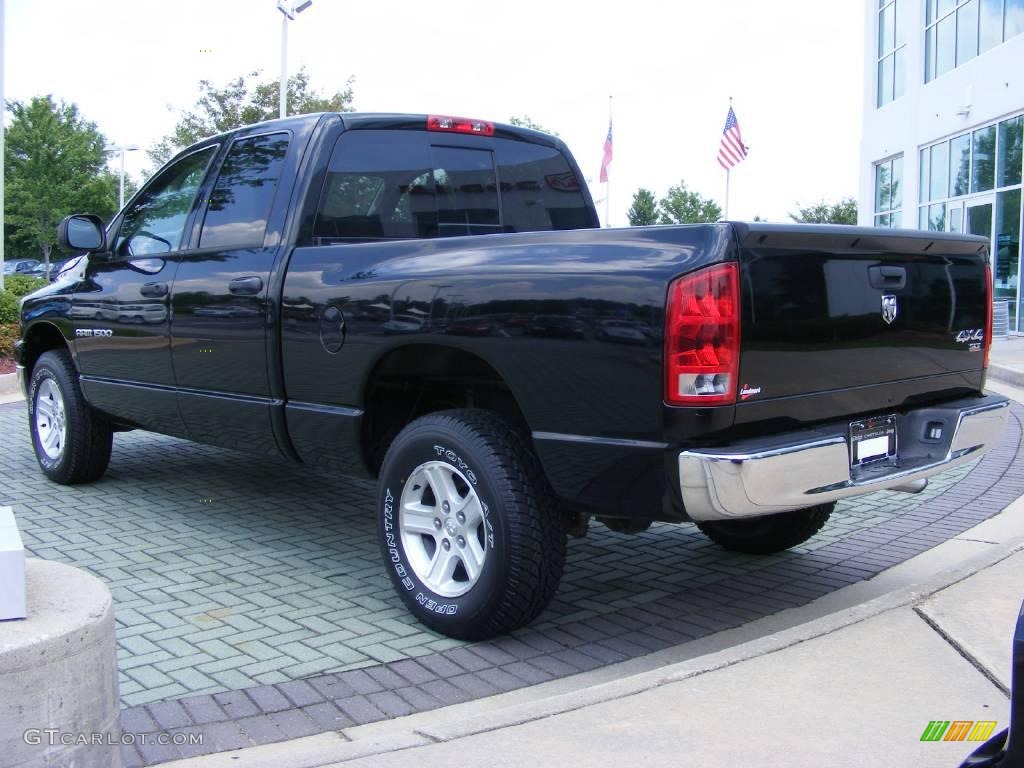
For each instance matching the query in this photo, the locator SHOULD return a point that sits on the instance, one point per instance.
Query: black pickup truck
(430, 301)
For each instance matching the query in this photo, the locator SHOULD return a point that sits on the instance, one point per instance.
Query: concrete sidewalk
(855, 686)
(1006, 361)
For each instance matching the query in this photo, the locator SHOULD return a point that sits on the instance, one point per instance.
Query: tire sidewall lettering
(38, 375)
(420, 598)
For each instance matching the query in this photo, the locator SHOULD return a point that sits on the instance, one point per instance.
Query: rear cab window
(400, 184)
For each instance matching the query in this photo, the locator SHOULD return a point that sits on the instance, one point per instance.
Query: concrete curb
(1005, 374)
(1003, 536)
(9, 384)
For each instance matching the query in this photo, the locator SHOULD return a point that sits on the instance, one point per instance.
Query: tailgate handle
(887, 278)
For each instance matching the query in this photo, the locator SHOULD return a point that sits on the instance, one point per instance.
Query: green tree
(683, 206)
(526, 122)
(54, 165)
(644, 209)
(243, 101)
(842, 212)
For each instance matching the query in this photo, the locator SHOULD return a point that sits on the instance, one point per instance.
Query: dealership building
(943, 129)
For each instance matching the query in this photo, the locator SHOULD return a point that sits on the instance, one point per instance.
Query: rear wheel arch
(417, 379)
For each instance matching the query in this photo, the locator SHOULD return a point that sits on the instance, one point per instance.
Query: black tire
(768, 534)
(85, 453)
(522, 533)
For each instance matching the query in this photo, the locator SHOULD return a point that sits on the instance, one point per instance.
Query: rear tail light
(988, 313)
(459, 125)
(702, 337)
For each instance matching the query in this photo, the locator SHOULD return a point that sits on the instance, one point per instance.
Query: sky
(793, 68)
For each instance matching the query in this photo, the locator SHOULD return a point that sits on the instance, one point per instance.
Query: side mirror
(81, 232)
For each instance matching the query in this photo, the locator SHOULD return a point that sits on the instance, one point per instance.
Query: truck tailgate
(841, 308)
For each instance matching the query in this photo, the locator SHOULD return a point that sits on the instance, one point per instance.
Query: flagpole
(608, 188)
(726, 215)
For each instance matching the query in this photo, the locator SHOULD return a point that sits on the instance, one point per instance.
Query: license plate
(872, 440)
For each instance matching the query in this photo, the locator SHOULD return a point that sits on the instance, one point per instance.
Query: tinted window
(241, 199)
(539, 191)
(379, 185)
(395, 184)
(156, 220)
(466, 191)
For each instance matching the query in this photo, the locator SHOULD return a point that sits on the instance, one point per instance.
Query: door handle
(246, 286)
(887, 278)
(153, 290)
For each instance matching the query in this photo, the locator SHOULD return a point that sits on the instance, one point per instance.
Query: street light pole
(283, 97)
(122, 148)
(289, 10)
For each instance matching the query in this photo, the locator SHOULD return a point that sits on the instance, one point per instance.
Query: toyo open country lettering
(430, 301)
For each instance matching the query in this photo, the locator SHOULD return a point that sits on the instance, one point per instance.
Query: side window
(466, 191)
(241, 199)
(378, 186)
(156, 221)
(539, 191)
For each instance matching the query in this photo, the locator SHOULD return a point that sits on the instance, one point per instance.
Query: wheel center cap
(450, 526)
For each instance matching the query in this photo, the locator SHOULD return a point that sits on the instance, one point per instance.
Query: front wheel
(472, 539)
(770, 533)
(72, 442)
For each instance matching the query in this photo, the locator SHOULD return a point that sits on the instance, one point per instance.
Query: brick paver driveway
(251, 602)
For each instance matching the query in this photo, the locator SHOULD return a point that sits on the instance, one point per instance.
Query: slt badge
(889, 308)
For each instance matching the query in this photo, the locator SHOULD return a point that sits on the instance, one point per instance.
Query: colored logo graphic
(958, 730)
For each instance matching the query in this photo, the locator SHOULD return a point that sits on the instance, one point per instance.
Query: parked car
(621, 331)
(20, 266)
(470, 326)
(801, 364)
(555, 327)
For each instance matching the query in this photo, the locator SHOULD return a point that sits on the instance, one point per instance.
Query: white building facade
(943, 135)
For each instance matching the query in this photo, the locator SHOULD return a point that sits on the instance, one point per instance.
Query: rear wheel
(71, 440)
(473, 541)
(768, 534)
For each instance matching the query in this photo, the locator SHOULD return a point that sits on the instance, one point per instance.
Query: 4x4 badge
(889, 308)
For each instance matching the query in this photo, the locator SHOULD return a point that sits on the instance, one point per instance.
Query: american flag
(607, 154)
(732, 149)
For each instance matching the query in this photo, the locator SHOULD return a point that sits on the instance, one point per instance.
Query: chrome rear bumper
(762, 477)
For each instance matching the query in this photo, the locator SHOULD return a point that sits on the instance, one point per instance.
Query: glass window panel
(886, 29)
(922, 217)
(539, 191)
(923, 182)
(896, 184)
(241, 199)
(1014, 22)
(467, 191)
(945, 46)
(959, 165)
(982, 162)
(885, 73)
(956, 215)
(882, 188)
(945, 6)
(899, 73)
(937, 217)
(939, 171)
(967, 32)
(990, 32)
(930, 17)
(897, 219)
(1006, 258)
(155, 222)
(882, 221)
(1008, 164)
(929, 54)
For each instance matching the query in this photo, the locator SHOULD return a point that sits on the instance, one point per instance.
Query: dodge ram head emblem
(889, 308)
